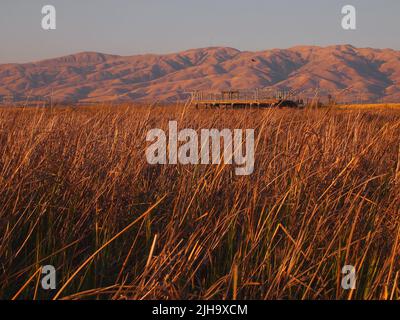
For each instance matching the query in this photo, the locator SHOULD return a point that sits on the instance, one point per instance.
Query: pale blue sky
(130, 27)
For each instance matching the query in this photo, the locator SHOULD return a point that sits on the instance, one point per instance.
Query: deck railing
(200, 96)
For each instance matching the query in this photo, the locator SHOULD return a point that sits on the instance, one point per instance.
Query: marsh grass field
(76, 192)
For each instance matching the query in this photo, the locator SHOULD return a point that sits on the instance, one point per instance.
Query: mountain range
(87, 77)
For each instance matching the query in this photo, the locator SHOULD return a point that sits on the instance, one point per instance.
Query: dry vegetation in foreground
(386, 106)
(76, 192)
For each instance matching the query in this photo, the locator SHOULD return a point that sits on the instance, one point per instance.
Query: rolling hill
(94, 77)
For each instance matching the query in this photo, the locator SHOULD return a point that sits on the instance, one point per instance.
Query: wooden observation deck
(243, 99)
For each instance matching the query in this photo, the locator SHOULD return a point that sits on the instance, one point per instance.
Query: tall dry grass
(76, 192)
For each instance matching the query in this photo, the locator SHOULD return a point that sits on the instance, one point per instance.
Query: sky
(128, 27)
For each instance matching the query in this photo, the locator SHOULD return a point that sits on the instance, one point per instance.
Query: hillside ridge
(94, 77)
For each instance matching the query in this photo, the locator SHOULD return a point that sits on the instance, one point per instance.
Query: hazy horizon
(128, 28)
